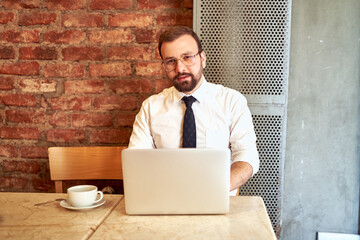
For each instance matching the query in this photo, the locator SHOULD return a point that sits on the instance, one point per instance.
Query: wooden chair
(75, 163)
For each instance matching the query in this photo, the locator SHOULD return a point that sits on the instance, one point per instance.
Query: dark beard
(185, 86)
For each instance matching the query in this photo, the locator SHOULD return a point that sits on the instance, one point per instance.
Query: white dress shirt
(222, 118)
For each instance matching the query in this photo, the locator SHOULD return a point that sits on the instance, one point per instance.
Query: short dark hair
(176, 32)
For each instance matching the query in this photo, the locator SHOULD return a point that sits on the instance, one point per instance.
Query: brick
(131, 20)
(65, 136)
(19, 133)
(21, 116)
(37, 85)
(149, 69)
(110, 36)
(131, 86)
(38, 53)
(111, 4)
(157, 55)
(21, 4)
(23, 68)
(34, 152)
(8, 151)
(82, 53)
(146, 35)
(158, 4)
(143, 97)
(63, 70)
(91, 120)
(131, 53)
(65, 4)
(82, 20)
(110, 69)
(59, 119)
(70, 103)
(115, 102)
(29, 36)
(21, 100)
(43, 102)
(161, 84)
(85, 86)
(126, 120)
(21, 166)
(43, 184)
(175, 19)
(67, 37)
(7, 53)
(120, 136)
(188, 4)
(13, 183)
(6, 83)
(36, 18)
(6, 17)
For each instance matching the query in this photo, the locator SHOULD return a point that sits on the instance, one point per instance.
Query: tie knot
(189, 101)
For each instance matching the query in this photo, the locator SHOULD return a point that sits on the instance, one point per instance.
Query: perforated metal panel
(247, 47)
(246, 43)
(267, 182)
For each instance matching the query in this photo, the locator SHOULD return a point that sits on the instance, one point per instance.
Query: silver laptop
(176, 181)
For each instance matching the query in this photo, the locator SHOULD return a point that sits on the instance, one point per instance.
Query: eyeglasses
(187, 59)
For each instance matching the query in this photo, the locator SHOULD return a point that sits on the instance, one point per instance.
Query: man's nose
(180, 67)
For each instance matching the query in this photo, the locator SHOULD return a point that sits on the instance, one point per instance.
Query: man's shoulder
(225, 92)
(160, 97)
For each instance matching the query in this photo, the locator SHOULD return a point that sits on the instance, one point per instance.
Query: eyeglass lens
(187, 60)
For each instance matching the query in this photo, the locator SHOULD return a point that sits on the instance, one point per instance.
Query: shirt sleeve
(141, 135)
(242, 134)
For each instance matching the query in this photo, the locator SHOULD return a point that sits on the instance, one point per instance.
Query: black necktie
(189, 126)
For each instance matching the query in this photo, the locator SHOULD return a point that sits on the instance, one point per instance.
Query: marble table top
(40, 216)
(246, 220)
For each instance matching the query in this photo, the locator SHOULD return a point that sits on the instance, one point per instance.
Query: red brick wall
(74, 73)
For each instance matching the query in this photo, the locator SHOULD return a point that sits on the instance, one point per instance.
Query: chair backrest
(75, 163)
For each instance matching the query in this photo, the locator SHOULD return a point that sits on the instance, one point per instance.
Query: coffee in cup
(83, 195)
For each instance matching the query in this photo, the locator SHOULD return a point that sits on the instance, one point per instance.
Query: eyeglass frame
(177, 59)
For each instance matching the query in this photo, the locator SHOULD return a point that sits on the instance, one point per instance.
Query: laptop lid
(176, 181)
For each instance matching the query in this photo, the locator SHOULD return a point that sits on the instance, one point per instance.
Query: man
(222, 118)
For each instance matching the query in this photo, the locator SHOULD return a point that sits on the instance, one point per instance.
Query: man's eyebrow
(185, 53)
(188, 52)
(169, 58)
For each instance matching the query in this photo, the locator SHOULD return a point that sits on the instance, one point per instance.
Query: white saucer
(67, 205)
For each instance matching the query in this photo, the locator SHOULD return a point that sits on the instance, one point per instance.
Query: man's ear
(203, 59)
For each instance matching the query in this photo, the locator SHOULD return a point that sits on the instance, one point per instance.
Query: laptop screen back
(176, 181)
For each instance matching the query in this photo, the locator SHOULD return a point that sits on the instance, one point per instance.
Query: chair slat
(76, 163)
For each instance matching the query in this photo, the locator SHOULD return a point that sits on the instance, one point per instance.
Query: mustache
(183, 74)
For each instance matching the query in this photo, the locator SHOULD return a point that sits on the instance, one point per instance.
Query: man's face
(185, 79)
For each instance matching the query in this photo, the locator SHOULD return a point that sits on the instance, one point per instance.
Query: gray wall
(321, 181)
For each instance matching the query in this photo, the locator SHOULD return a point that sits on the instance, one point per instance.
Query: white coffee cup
(83, 195)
